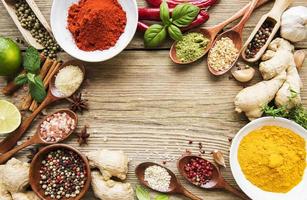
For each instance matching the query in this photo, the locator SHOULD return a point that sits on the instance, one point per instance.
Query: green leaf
(184, 14)
(162, 197)
(142, 193)
(154, 35)
(164, 13)
(37, 89)
(21, 79)
(174, 32)
(31, 60)
(31, 77)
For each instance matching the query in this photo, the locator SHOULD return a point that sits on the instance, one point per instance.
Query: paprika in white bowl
(94, 30)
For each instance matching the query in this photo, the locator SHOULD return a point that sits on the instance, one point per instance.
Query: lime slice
(10, 117)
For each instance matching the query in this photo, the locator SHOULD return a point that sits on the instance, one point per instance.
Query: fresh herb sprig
(297, 114)
(183, 15)
(31, 63)
(143, 194)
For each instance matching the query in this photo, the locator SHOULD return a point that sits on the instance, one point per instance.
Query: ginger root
(110, 163)
(111, 190)
(251, 100)
(277, 58)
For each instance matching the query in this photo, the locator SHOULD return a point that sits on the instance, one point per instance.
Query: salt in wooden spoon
(235, 34)
(37, 139)
(175, 186)
(217, 181)
(274, 18)
(9, 5)
(53, 95)
(211, 33)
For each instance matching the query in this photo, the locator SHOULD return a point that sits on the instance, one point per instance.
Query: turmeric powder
(273, 158)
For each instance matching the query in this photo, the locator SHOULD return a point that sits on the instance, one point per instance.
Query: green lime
(10, 117)
(10, 57)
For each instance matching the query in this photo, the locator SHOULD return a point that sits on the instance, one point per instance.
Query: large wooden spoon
(175, 186)
(53, 95)
(235, 34)
(217, 181)
(37, 139)
(211, 33)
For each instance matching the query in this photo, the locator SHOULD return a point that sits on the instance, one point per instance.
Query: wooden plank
(152, 109)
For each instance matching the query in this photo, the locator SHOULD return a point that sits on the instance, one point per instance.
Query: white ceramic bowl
(58, 18)
(255, 193)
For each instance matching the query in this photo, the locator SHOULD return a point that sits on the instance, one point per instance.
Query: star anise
(83, 136)
(77, 103)
(33, 152)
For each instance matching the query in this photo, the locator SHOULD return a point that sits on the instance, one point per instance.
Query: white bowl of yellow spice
(268, 159)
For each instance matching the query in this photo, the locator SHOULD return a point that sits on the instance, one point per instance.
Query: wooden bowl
(34, 176)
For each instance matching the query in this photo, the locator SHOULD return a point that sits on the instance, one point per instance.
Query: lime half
(10, 117)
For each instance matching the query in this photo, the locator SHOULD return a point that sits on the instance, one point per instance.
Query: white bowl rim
(118, 51)
(260, 122)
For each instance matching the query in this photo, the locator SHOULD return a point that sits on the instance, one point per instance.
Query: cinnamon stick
(44, 70)
(53, 69)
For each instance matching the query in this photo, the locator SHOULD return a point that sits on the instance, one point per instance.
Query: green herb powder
(191, 47)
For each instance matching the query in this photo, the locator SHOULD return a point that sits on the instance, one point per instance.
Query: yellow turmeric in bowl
(273, 158)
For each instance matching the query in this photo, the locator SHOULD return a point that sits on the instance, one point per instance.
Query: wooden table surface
(142, 103)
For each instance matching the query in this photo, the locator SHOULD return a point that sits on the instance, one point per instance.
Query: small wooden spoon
(235, 34)
(211, 33)
(274, 17)
(36, 139)
(175, 186)
(9, 5)
(53, 95)
(217, 181)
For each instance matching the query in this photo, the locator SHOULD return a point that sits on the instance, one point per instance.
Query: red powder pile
(96, 24)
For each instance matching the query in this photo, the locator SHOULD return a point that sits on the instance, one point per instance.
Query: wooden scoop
(274, 17)
(235, 34)
(53, 95)
(36, 139)
(211, 33)
(217, 181)
(9, 5)
(175, 186)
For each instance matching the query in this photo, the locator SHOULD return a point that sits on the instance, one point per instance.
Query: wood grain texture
(142, 103)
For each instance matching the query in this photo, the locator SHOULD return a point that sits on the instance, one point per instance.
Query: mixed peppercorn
(29, 21)
(199, 171)
(63, 174)
(259, 39)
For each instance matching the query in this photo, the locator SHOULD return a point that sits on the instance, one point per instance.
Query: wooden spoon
(235, 34)
(10, 7)
(274, 17)
(36, 139)
(53, 95)
(217, 181)
(175, 186)
(211, 33)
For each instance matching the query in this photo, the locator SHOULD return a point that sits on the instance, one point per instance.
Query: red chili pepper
(142, 26)
(174, 3)
(151, 14)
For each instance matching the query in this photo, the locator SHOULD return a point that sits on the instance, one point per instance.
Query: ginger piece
(110, 163)
(110, 190)
(278, 58)
(25, 196)
(15, 175)
(4, 194)
(251, 100)
(289, 94)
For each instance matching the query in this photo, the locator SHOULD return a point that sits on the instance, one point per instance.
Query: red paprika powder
(96, 24)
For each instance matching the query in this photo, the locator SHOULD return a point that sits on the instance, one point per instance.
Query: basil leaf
(174, 32)
(31, 60)
(162, 197)
(154, 35)
(21, 79)
(37, 89)
(164, 13)
(184, 14)
(142, 193)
